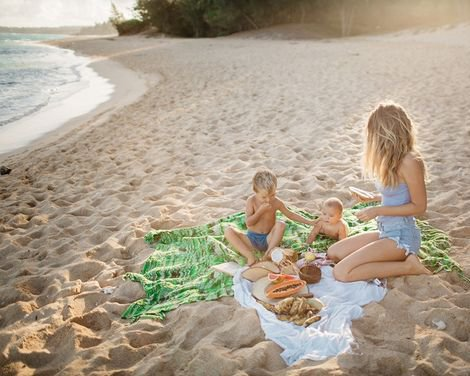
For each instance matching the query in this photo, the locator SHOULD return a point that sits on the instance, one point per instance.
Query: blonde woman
(392, 159)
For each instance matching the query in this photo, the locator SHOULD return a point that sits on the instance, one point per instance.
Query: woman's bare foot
(415, 266)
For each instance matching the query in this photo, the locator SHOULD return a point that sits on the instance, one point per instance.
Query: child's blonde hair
(264, 179)
(390, 135)
(334, 203)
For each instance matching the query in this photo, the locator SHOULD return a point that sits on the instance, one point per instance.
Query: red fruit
(278, 278)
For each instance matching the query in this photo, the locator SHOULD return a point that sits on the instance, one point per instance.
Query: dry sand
(74, 211)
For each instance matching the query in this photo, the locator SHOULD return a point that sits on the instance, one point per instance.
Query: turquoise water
(40, 88)
(30, 73)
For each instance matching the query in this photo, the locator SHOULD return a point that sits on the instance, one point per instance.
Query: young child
(264, 232)
(392, 158)
(331, 222)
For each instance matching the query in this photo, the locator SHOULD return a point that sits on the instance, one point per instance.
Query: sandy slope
(74, 212)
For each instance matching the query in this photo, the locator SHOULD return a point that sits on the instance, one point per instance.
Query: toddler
(331, 222)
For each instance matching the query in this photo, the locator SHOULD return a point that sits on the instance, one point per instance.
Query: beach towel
(179, 271)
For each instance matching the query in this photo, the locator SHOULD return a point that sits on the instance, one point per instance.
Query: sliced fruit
(284, 289)
(278, 278)
(309, 256)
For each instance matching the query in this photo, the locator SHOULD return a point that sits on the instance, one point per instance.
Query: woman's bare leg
(378, 259)
(416, 266)
(345, 247)
(241, 243)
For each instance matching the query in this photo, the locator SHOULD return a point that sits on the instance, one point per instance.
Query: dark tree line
(209, 18)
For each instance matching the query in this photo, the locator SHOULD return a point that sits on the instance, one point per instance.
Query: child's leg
(275, 237)
(241, 243)
(345, 247)
(378, 259)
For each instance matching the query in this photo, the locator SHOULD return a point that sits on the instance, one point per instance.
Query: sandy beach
(76, 206)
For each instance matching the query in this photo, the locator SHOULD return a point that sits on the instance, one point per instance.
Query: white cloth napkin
(326, 338)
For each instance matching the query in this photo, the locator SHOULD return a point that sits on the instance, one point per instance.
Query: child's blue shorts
(259, 241)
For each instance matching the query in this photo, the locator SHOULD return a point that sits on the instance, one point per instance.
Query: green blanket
(179, 272)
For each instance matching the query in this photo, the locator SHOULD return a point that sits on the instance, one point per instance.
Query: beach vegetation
(129, 27)
(125, 26)
(116, 16)
(210, 18)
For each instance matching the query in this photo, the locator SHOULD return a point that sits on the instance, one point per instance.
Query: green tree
(116, 16)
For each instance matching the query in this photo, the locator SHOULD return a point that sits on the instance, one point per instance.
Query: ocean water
(36, 83)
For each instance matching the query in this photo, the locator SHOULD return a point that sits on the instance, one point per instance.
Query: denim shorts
(259, 241)
(403, 231)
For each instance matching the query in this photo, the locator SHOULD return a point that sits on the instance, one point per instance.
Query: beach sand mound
(74, 212)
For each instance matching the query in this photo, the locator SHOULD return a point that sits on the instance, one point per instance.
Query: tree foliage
(123, 26)
(116, 16)
(209, 18)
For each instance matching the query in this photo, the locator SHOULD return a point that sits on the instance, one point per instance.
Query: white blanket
(328, 337)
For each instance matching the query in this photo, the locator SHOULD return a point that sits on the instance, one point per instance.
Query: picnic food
(284, 289)
(310, 273)
(259, 270)
(280, 255)
(362, 193)
(294, 309)
(277, 255)
(278, 278)
(309, 256)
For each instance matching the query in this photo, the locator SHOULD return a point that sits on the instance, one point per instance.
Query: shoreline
(127, 87)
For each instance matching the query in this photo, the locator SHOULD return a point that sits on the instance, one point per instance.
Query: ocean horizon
(42, 87)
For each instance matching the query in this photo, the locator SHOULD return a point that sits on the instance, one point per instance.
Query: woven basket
(310, 273)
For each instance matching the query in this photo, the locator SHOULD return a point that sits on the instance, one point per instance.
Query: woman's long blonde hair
(390, 136)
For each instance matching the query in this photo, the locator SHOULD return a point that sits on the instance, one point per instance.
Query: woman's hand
(367, 214)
